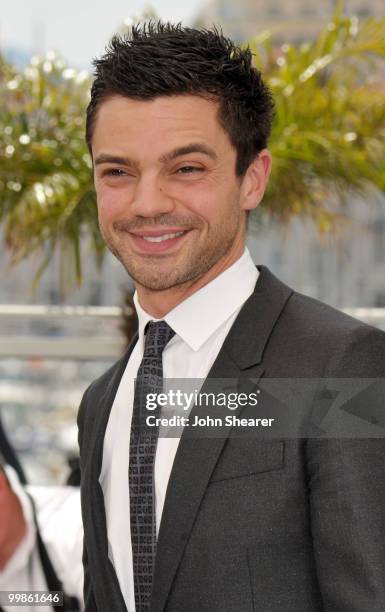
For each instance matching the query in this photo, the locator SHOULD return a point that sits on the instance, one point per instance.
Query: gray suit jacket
(289, 524)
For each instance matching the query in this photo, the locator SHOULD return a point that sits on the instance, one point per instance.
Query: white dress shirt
(59, 516)
(201, 324)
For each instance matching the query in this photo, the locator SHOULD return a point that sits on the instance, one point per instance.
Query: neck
(159, 303)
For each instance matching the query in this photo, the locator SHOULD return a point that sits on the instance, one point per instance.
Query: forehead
(158, 124)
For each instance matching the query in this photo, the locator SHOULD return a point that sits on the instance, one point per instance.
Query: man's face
(170, 205)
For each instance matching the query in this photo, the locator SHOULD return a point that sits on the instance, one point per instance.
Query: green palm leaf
(327, 140)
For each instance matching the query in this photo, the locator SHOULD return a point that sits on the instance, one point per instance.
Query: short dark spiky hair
(163, 59)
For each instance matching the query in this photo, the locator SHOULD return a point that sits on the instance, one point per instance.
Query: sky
(77, 29)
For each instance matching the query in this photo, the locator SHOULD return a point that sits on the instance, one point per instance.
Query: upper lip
(158, 232)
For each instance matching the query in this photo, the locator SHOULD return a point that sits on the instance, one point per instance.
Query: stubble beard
(150, 272)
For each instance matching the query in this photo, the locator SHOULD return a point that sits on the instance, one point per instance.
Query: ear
(255, 180)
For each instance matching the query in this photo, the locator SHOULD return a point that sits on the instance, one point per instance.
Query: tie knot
(158, 334)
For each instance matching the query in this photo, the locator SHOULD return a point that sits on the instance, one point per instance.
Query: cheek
(111, 203)
(201, 199)
(214, 205)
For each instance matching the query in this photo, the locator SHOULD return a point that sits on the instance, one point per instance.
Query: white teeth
(161, 238)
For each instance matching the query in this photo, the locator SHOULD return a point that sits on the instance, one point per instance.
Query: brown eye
(114, 172)
(189, 169)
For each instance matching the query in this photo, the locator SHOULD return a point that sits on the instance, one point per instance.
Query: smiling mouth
(163, 237)
(157, 241)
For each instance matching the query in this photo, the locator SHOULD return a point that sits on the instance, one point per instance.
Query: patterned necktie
(143, 441)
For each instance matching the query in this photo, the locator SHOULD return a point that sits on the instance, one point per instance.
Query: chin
(154, 280)
(160, 280)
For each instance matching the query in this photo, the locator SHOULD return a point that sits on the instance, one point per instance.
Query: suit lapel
(109, 589)
(239, 359)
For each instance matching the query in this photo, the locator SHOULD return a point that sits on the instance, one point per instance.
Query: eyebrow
(105, 158)
(196, 147)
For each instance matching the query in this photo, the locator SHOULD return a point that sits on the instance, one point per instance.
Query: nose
(150, 198)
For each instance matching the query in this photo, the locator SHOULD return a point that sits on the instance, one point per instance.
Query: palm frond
(327, 140)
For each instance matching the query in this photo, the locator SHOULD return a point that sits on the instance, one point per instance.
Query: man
(177, 127)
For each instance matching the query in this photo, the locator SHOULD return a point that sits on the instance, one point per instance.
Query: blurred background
(65, 312)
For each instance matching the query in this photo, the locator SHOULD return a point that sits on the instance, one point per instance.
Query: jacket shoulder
(313, 312)
(347, 345)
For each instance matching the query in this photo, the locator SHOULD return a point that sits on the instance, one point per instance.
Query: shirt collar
(195, 319)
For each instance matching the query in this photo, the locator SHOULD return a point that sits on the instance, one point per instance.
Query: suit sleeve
(80, 421)
(89, 599)
(347, 496)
